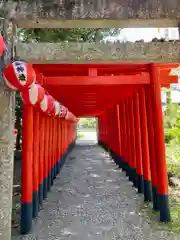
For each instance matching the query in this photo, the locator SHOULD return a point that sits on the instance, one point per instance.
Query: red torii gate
(126, 99)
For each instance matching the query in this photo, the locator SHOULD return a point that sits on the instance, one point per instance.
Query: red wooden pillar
(118, 130)
(129, 153)
(103, 130)
(61, 129)
(111, 140)
(46, 154)
(133, 145)
(105, 123)
(41, 157)
(152, 148)
(63, 141)
(124, 136)
(65, 137)
(35, 162)
(55, 147)
(140, 183)
(51, 151)
(42, 153)
(159, 144)
(99, 130)
(145, 146)
(58, 145)
(122, 140)
(27, 169)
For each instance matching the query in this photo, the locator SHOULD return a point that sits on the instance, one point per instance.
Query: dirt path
(92, 199)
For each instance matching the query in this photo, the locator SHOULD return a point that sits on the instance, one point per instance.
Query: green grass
(173, 166)
(173, 159)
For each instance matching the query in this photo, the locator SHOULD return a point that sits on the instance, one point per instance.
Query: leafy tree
(87, 123)
(66, 34)
(171, 110)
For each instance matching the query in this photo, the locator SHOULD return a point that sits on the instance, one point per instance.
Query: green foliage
(87, 123)
(169, 135)
(65, 34)
(171, 110)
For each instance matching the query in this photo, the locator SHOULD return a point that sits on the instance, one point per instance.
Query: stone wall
(128, 11)
(7, 139)
(98, 52)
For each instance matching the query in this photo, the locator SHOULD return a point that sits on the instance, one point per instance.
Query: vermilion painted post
(55, 143)
(46, 153)
(41, 157)
(145, 147)
(105, 124)
(124, 135)
(103, 131)
(133, 144)
(111, 142)
(42, 153)
(129, 153)
(51, 149)
(102, 120)
(99, 130)
(27, 169)
(105, 139)
(66, 142)
(121, 136)
(140, 179)
(118, 122)
(152, 148)
(61, 145)
(159, 144)
(35, 162)
(58, 146)
(63, 142)
(49, 152)
(117, 131)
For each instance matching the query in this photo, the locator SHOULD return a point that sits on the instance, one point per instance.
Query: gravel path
(92, 199)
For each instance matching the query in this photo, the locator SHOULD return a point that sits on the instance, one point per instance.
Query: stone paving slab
(92, 199)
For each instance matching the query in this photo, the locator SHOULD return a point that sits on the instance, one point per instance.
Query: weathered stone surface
(7, 139)
(25, 11)
(98, 52)
(6, 161)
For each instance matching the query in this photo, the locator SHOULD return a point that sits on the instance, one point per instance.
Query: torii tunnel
(126, 99)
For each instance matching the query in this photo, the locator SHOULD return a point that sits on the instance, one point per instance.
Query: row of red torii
(48, 135)
(47, 138)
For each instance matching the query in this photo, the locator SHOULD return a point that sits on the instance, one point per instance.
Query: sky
(147, 34)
